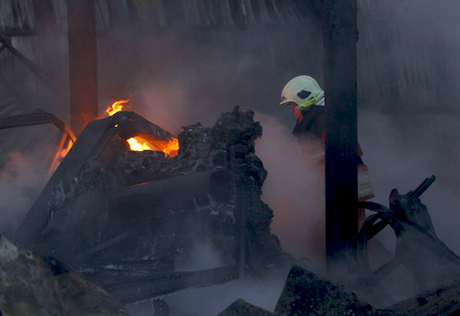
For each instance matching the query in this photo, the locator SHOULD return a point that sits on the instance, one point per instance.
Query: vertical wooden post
(339, 39)
(82, 63)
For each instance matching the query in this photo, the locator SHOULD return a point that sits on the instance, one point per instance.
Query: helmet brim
(286, 102)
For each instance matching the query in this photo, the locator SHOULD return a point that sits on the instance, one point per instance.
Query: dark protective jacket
(313, 124)
(313, 127)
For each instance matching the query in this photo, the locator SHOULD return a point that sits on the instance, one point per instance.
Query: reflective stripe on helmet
(307, 104)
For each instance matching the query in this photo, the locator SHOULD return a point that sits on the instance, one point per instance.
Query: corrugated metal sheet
(18, 15)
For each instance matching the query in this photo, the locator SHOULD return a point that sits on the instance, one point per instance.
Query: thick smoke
(23, 173)
(408, 76)
(409, 107)
(210, 301)
(407, 72)
(20, 183)
(294, 189)
(180, 76)
(394, 163)
(203, 256)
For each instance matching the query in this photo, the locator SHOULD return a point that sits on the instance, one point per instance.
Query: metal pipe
(339, 40)
(82, 63)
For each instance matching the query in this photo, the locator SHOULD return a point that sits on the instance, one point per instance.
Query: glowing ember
(117, 106)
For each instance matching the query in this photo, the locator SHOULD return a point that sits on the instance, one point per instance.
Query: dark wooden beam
(82, 63)
(19, 32)
(339, 40)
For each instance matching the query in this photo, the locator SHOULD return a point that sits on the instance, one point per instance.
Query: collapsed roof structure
(130, 220)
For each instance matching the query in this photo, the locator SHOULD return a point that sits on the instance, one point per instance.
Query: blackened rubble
(227, 146)
(34, 285)
(135, 222)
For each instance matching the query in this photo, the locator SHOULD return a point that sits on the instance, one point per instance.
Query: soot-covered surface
(135, 222)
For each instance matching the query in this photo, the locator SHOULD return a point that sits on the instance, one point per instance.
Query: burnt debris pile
(143, 224)
(35, 285)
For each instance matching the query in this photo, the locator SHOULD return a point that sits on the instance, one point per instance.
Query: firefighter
(306, 99)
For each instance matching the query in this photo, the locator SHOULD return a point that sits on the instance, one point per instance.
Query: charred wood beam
(179, 192)
(151, 201)
(86, 151)
(417, 247)
(38, 118)
(66, 135)
(19, 32)
(339, 40)
(102, 246)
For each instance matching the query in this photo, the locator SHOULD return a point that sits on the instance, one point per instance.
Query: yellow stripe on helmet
(307, 104)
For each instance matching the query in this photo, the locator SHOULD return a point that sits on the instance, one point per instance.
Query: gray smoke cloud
(19, 186)
(408, 77)
(394, 163)
(25, 161)
(409, 106)
(210, 301)
(406, 66)
(294, 189)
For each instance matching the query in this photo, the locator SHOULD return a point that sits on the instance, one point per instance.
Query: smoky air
(408, 108)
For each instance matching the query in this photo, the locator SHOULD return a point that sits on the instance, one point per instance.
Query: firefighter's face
(296, 112)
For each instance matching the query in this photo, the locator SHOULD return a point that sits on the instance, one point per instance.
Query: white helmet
(303, 91)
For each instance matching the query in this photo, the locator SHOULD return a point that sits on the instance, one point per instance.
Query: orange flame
(117, 106)
(61, 152)
(172, 148)
(138, 143)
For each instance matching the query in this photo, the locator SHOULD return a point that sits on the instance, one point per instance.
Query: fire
(138, 143)
(172, 148)
(117, 106)
(61, 152)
